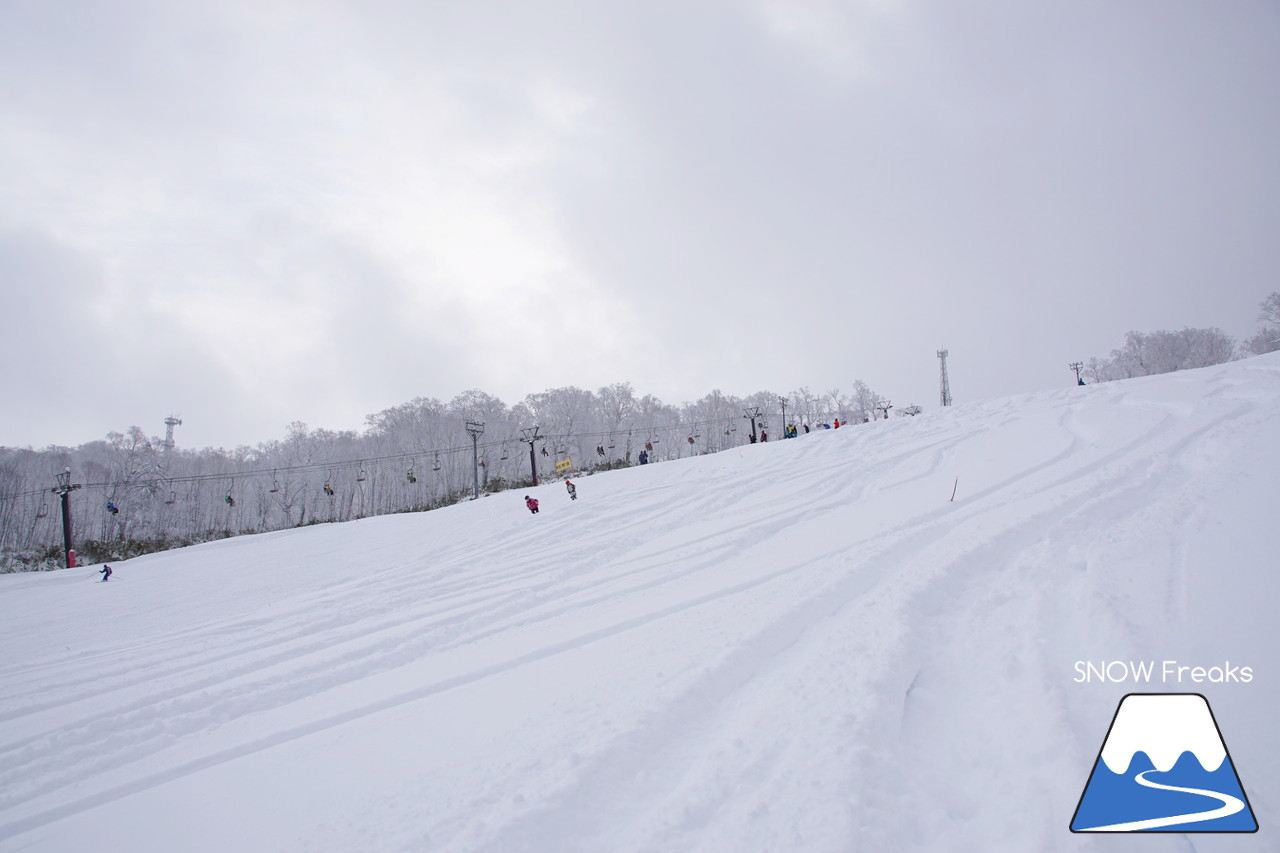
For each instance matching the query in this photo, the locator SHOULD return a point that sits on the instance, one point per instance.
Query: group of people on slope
(791, 431)
(532, 503)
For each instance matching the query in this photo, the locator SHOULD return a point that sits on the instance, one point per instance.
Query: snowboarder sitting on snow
(105, 571)
(532, 504)
(573, 490)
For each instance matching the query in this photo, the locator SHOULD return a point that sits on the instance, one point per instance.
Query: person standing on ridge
(573, 490)
(532, 504)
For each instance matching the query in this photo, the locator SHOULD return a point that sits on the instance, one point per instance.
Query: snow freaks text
(1164, 672)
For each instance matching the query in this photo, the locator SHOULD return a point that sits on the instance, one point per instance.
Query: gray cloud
(261, 214)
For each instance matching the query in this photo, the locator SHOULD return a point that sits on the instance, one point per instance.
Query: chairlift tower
(63, 490)
(946, 383)
(751, 413)
(476, 429)
(530, 435)
(169, 423)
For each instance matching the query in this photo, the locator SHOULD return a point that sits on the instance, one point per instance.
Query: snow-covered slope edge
(803, 645)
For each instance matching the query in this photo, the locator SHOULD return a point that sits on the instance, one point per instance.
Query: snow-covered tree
(476, 405)
(617, 403)
(1268, 337)
(862, 403)
(1148, 354)
(837, 403)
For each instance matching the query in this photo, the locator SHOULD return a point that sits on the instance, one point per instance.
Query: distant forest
(136, 494)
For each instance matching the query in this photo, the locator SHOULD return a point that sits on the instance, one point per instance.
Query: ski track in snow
(802, 645)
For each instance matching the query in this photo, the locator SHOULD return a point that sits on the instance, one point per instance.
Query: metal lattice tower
(946, 383)
(169, 423)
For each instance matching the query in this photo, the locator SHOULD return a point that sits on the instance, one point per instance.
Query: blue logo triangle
(1163, 767)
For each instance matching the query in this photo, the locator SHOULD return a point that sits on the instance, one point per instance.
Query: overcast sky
(250, 213)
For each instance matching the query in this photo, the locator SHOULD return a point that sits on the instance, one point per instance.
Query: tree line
(1150, 353)
(137, 495)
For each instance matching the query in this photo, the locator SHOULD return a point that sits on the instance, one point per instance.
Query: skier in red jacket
(532, 504)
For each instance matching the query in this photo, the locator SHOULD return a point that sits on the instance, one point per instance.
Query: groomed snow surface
(797, 646)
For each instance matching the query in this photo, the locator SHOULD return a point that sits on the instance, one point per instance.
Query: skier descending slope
(532, 504)
(573, 490)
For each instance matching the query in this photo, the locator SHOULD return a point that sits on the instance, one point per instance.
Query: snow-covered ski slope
(798, 646)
